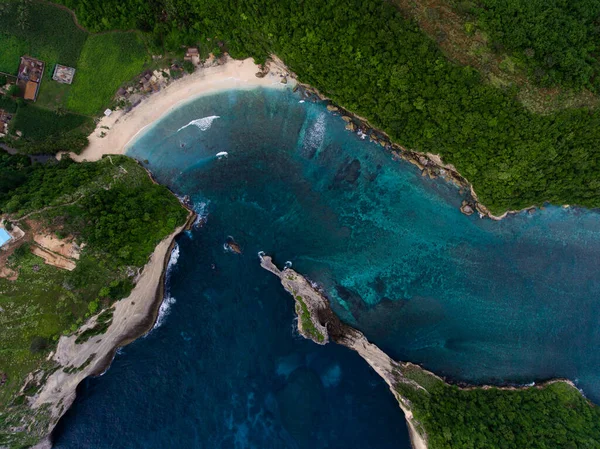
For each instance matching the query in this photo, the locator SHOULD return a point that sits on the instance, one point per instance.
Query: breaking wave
(173, 259)
(168, 300)
(164, 310)
(316, 133)
(203, 123)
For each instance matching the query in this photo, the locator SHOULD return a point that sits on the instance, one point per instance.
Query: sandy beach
(121, 127)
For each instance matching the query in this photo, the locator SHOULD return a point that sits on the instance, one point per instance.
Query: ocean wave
(203, 123)
(316, 133)
(168, 300)
(164, 310)
(174, 258)
(201, 210)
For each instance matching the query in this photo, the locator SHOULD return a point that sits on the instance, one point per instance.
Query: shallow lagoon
(476, 300)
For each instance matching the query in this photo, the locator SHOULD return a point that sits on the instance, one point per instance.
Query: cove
(479, 301)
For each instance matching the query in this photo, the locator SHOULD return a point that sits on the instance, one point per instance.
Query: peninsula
(506, 110)
(444, 416)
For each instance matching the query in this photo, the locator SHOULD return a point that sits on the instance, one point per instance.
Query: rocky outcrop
(132, 317)
(313, 309)
(429, 164)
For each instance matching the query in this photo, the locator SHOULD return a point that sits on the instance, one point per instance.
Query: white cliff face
(132, 316)
(318, 307)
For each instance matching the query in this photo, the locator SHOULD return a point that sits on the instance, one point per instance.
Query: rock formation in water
(428, 400)
(317, 322)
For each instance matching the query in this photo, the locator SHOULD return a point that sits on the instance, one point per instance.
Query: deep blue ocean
(475, 300)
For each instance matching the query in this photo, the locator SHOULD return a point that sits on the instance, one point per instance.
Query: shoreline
(133, 317)
(392, 372)
(430, 164)
(114, 134)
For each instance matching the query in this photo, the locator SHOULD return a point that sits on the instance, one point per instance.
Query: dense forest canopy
(558, 40)
(556, 416)
(122, 222)
(368, 58)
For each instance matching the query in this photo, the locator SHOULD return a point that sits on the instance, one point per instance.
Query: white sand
(124, 127)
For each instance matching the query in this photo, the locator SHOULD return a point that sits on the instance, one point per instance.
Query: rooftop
(63, 74)
(29, 76)
(4, 237)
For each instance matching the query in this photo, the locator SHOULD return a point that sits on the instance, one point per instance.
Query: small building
(63, 74)
(192, 54)
(29, 77)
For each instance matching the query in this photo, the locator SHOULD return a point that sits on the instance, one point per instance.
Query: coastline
(114, 133)
(396, 374)
(429, 164)
(133, 317)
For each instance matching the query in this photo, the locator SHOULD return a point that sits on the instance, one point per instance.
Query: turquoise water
(514, 301)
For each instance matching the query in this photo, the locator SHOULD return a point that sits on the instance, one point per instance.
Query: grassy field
(106, 61)
(38, 124)
(12, 50)
(50, 35)
(102, 61)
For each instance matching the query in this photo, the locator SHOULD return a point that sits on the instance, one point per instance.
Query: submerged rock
(349, 172)
(232, 245)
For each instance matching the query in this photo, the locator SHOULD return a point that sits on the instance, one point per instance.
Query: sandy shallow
(124, 127)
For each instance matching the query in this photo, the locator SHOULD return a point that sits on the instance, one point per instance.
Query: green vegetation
(46, 131)
(102, 62)
(555, 416)
(49, 34)
(368, 58)
(112, 206)
(12, 50)
(307, 324)
(107, 60)
(557, 40)
(103, 322)
(120, 15)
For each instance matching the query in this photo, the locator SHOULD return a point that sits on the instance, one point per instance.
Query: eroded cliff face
(317, 322)
(76, 360)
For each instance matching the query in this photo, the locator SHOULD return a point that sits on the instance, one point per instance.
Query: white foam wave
(316, 133)
(168, 300)
(203, 123)
(164, 310)
(201, 210)
(174, 258)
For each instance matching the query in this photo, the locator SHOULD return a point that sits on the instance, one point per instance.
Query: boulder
(332, 108)
(346, 118)
(466, 208)
(351, 126)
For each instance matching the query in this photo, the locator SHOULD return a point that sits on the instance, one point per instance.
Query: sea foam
(203, 123)
(315, 134)
(168, 300)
